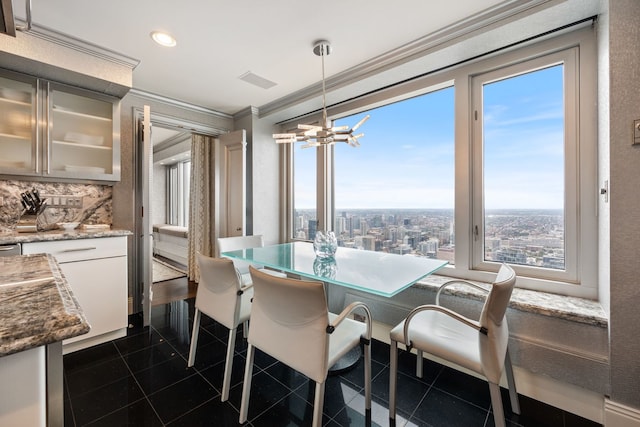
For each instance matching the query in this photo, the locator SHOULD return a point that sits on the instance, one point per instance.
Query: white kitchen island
(37, 311)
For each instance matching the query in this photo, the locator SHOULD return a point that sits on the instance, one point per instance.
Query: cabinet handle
(7, 248)
(89, 248)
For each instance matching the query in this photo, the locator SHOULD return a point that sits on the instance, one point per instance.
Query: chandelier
(315, 136)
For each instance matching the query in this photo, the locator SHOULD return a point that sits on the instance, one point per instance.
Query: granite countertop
(44, 236)
(37, 306)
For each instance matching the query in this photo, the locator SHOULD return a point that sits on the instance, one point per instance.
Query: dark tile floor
(143, 380)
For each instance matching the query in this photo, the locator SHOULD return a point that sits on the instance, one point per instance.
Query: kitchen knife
(26, 199)
(36, 196)
(32, 201)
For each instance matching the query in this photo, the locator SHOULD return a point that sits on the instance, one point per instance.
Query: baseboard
(70, 347)
(568, 397)
(619, 415)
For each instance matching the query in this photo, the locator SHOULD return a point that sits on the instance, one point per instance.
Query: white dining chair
(223, 297)
(292, 323)
(480, 346)
(227, 244)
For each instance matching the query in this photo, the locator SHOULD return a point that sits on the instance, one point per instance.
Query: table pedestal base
(346, 362)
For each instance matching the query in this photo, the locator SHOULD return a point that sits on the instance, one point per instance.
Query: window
(495, 161)
(525, 168)
(178, 178)
(395, 193)
(305, 217)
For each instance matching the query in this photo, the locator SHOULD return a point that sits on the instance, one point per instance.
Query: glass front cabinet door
(52, 130)
(19, 142)
(80, 134)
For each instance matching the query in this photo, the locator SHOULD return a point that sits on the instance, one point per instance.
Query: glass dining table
(377, 273)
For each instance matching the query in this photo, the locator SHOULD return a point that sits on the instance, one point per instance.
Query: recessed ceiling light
(163, 39)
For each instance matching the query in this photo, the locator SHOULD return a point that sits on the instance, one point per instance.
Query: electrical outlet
(66, 201)
(636, 132)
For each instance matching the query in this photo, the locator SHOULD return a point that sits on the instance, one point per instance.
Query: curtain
(200, 202)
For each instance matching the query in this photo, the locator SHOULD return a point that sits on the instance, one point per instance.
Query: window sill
(575, 309)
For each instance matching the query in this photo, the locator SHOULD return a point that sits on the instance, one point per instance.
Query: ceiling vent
(255, 79)
(7, 23)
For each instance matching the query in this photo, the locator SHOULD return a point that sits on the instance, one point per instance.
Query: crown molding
(177, 103)
(461, 30)
(246, 112)
(177, 139)
(70, 42)
(181, 124)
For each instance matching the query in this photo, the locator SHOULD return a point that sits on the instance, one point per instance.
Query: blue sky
(406, 157)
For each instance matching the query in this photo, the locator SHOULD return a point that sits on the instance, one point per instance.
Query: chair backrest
(217, 294)
(226, 244)
(497, 301)
(493, 345)
(289, 320)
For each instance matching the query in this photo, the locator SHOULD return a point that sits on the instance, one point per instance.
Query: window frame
(579, 47)
(178, 183)
(568, 58)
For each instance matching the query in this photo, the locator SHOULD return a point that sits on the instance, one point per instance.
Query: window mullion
(324, 187)
(476, 231)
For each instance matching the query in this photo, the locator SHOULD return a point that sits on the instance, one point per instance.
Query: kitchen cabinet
(50, 130)
(96, 270)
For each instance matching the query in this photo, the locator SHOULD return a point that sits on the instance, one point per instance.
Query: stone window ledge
(575, 309)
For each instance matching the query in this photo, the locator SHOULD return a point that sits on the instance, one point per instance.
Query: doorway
(161, 133)
(169, 131)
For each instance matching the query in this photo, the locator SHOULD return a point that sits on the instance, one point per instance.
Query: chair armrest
(246, 287)
(347, 311)
(456, 316)
(452, 282)
(243, 287)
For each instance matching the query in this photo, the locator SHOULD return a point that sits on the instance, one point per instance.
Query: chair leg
(228, 365)
(318, 404)
(367, 377)
(245, 329)
(246, 386)
(419, 363)
(194, 338)
(513, 392)
(393, 378)
(496, 403)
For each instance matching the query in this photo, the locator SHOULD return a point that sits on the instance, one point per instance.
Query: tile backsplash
(84, 203)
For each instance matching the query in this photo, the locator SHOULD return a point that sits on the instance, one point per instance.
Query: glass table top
(378, 273)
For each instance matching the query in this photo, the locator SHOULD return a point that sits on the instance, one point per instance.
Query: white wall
(263, 180)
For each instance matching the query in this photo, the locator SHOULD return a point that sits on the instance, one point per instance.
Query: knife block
(27, 224)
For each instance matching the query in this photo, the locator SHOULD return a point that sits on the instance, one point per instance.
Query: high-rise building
(368, 243)
(341, 222)
(364, 227)
(429, 248)
(313, 227)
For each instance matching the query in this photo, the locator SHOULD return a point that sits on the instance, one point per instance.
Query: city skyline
(519, 236)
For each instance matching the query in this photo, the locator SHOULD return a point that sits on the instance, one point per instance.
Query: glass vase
(325, 244)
